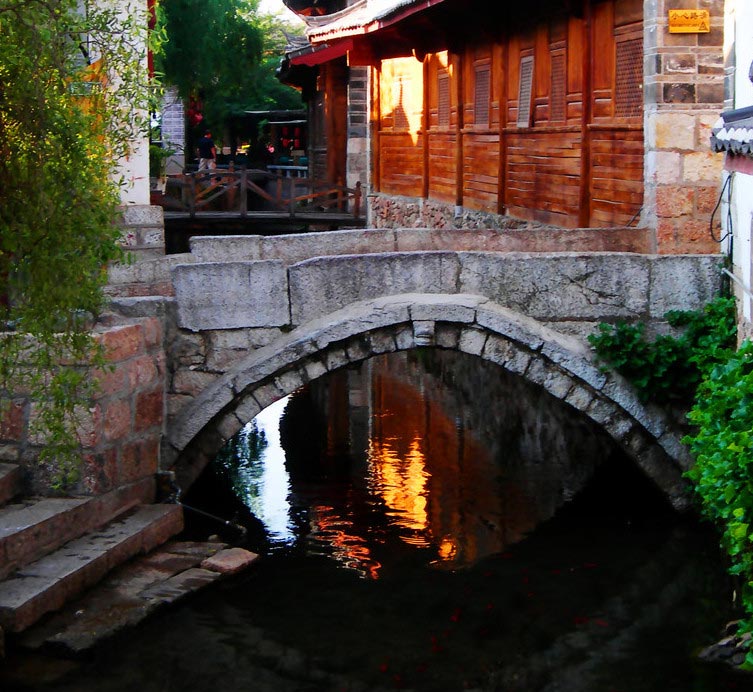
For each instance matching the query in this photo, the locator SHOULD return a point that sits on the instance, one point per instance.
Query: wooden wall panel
(481, 171)
(543, 176)
(401, 160)
(442, 166)
(617, 175)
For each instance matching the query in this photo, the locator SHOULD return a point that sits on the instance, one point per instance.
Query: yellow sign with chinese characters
(689, 22)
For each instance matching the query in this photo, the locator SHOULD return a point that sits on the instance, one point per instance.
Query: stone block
(563, 286)
(472, 341)
(231, 295)
(142, 215)
(671, 131)
(324, 285)
(149, 409)
(683, 282)
(663, 167)
(296, 248)
(117, 419)
(122, 342)
(674, 200)
(702, 166)
(229, 561)
(226, 248)
(142, 371)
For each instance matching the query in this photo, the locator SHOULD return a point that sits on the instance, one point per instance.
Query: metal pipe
(739, 282)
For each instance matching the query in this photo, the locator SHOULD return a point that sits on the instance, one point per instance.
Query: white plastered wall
(739, 49)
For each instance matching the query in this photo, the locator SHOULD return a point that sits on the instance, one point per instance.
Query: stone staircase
(54, 549)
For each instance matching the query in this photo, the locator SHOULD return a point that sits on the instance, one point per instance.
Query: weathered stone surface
(299, 247)
(230, 295)
(322, 286)
(565, 286)
(227, 248)
(683, 283)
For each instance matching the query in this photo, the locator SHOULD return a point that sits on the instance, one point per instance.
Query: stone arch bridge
(254, 318)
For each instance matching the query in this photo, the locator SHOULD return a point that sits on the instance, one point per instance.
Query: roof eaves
(733, 132)
(364, 17)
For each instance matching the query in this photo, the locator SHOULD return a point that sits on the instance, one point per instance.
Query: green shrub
(722, 448)
(669, 368)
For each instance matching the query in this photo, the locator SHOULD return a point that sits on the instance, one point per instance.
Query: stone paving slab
(133, 592)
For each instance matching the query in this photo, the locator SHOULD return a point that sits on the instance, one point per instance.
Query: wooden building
(533, 111)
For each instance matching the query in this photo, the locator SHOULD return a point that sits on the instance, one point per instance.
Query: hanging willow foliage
(73, 96)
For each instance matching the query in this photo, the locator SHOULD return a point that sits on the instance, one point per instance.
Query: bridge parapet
(571, 291)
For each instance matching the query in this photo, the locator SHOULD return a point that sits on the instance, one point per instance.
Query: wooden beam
(425, 129)
(584, 215)
(503, 63)
(457, 59)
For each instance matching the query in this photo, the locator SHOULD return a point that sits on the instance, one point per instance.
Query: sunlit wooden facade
(526, 123)
(537, 112)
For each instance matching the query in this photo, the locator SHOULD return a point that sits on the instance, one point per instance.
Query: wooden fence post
(192, 196)
(357, 201)
(244, 192)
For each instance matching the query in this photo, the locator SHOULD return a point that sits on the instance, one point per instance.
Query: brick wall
(120, 428)
(684, 96)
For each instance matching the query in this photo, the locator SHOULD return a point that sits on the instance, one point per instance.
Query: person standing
(207, 152)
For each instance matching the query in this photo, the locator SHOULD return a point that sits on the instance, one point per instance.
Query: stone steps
(40, 586)
(10, 482)
(133, 592)
(31, 529)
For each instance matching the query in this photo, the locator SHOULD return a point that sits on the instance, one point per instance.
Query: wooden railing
(230, 190)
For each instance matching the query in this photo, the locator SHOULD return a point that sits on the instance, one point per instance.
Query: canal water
(430, 522)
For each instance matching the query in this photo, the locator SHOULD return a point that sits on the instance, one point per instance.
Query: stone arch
(564, 366)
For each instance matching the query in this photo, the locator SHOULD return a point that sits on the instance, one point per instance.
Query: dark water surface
(433, 524)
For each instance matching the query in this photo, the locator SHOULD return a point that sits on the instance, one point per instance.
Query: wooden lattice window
(400, 103)
(525, 91)
(628, 92)
(443, 99)
(557, 103)
(482, 93)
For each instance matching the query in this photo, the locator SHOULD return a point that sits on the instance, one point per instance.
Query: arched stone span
(562, 365)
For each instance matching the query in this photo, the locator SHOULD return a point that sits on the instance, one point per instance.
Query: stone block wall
(119, 429)
(357, 164)
(174, 131)
(684, 94)
(143, 231)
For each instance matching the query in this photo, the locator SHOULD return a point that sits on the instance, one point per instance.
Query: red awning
(321, 54)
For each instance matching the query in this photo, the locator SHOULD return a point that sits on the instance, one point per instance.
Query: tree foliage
(224, 54)
(72, 92)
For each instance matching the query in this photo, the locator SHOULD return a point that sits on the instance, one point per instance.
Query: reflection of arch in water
(472, 324)
(464, 458)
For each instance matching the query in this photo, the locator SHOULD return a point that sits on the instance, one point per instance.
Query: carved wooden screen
(628, 99)
(557, 105)
(443, 106)
(525, 91)
(482, 93)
